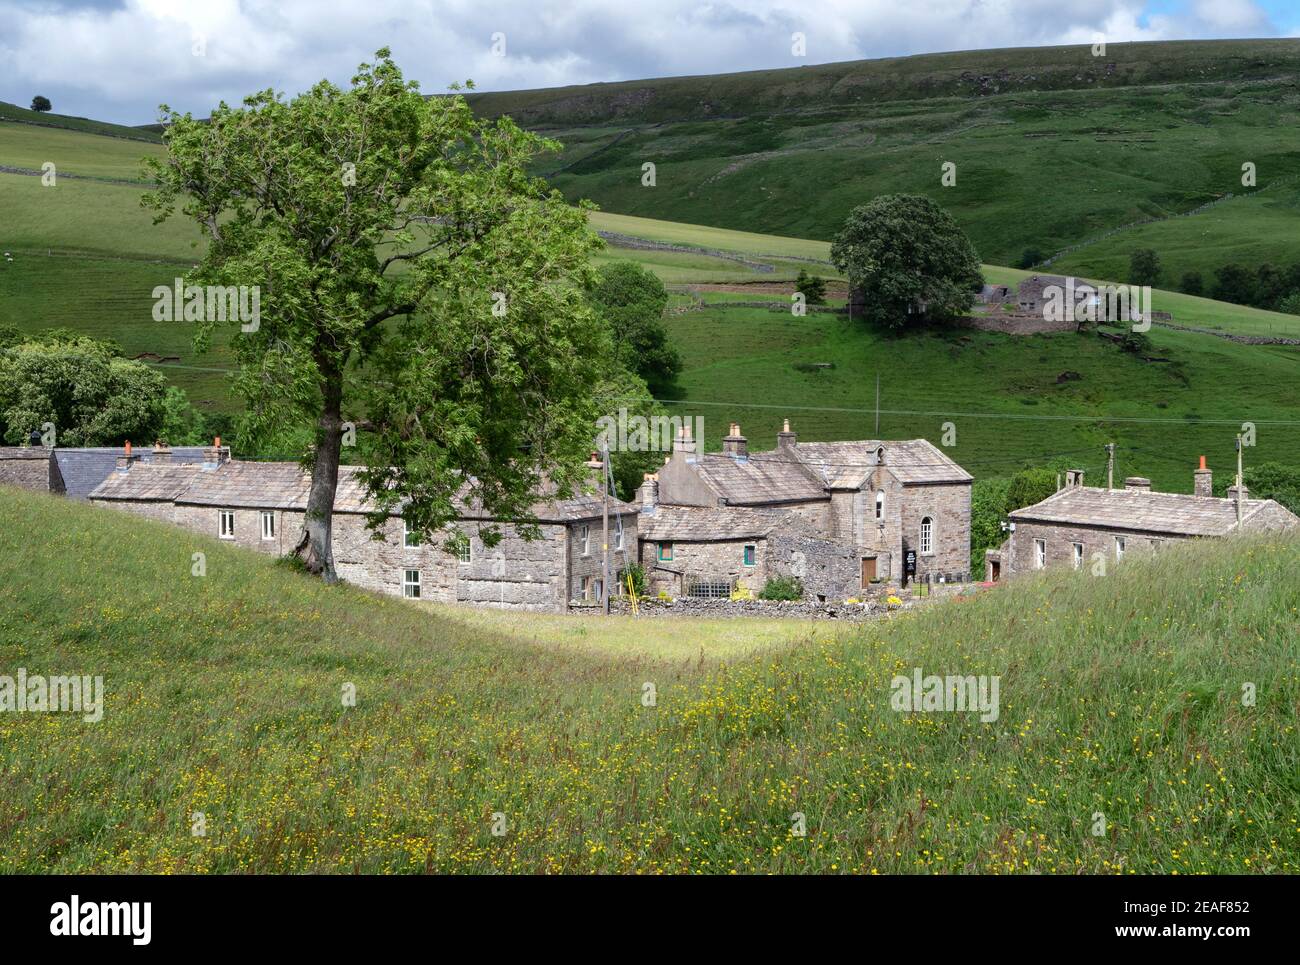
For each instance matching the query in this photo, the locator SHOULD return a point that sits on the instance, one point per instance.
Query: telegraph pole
(1110, 465)
(1238, 480)
(604, 525)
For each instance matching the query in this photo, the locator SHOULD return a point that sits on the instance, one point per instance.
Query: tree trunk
(315, 547)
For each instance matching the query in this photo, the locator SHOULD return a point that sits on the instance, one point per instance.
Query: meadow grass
(1120, 698)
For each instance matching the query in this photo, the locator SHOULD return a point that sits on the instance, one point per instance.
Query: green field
(1051, 145)
(223, 698)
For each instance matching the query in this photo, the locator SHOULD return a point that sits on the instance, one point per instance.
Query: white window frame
(465, 551)
(880, 505)
(1040, 553)
(407, 534)
(408, 584)
(1119, 548)
(618, 539)
(1078, 555)
(226, 523)
(585, 533)
(927, 536)
(268, 525)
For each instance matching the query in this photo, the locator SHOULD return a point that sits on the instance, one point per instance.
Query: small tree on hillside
(908, 259)
(631, 300)
(1030, 257)
(410, 268)
(813, 287)
(1192, 283)
(1143, 267)
(41, 104)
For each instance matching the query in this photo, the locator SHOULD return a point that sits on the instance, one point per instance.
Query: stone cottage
(705, 551)
(901, 508)
(1079, 524)
(260, 506)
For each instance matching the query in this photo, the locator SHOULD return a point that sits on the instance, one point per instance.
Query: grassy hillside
(14, 114)
(85, 255)
(223, 698)
(1052, 146)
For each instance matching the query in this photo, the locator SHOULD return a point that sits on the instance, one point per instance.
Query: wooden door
(868, 571)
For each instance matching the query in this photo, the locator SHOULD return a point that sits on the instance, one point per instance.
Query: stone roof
(84, 469)
(146, 482)
(285, 485)
(764, 477)
(689, 524)
(846, 465)
(1175, 513)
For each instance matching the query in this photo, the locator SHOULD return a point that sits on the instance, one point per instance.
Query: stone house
(1078, 525)
(886, 502)
(260, 506)
(703, 551)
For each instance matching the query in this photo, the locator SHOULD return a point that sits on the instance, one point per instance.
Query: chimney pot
(1138, 484)
(785, 439)
(1203, 480)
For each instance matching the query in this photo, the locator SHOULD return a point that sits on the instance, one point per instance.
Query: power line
(969, 415)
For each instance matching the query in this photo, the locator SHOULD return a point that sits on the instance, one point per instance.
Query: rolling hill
(85, 255)
(1052, 146)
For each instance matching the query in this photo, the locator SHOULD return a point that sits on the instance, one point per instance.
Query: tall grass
(1121, 710)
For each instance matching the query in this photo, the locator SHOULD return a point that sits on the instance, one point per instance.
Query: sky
(117, 60)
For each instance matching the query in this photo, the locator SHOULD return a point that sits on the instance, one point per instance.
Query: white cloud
(118, 60)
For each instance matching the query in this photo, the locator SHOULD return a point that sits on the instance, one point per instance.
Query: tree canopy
(82, 387)
(632, 299)
(41, 104)
(411, 269)
(907, 259)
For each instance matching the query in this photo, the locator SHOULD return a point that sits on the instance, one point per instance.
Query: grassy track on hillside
(223, 698)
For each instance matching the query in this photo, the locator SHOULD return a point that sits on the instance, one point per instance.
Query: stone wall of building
(949, 507)
(700, 561)
(164, 511)
(591, 564)
(830, 570)
(28, 472)
(1018, 555)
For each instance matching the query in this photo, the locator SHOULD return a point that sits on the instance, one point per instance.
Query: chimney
(1203, 480)
(684, 443)
(785, 439)
(648, 493)
(125, 460)
(162, 454)
(34, 438)
(736, 445)
(1073, 478)
(1138, 484)
(214, 455)
(1245, 492)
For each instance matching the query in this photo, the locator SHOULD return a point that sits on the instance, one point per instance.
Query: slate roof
(1175, 513)
(765, 477)
(687, 524)
(84, 469)
(846, 465)
(284, 485)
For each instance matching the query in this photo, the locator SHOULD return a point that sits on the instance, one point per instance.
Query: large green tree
(410, 269)
(91, 396)
(632, 300)
(906, 258)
